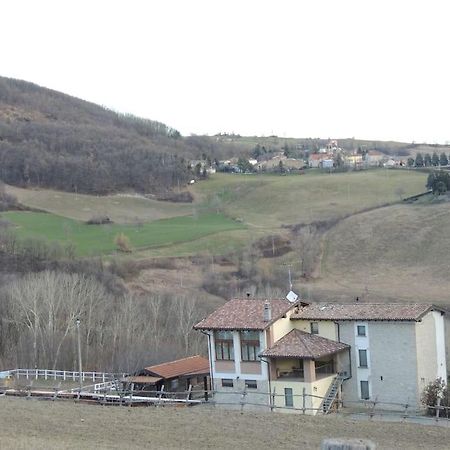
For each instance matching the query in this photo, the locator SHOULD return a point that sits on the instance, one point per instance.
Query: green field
(232, 211)
(99, 239)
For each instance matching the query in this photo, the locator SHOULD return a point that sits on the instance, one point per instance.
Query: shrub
(434, 390)
(99, 220)
(123, 243)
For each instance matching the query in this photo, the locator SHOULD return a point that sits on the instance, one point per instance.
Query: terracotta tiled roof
(244, 314)
(364, 311)
(317, 156)
(141, 379)
(299, 344)
(186, 366)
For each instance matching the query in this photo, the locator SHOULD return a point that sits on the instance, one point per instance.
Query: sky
(330, 69)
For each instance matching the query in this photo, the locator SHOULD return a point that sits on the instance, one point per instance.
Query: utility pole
(79, 354)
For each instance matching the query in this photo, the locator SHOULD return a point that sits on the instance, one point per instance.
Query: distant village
(331, 157)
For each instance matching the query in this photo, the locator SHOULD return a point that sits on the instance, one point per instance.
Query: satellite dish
(292, 296)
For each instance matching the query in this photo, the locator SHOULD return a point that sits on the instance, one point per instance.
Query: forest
(49, 139)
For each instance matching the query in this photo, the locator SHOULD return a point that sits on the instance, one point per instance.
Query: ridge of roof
(365, 311)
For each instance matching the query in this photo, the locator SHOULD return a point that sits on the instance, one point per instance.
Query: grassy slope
(119, 208)
(397, 252)
(36, 424)
(263, 202)
(268, 201)
(95, 239)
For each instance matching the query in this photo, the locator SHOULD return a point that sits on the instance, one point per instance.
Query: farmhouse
(326, 351)
(316, 158)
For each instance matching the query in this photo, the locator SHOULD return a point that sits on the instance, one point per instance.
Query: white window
(288, 397)
(361, 330)
(362, 358)
(364, 390)
(224, 345)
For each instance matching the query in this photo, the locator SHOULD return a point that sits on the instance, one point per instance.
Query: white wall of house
(431, 349)
(392, 361)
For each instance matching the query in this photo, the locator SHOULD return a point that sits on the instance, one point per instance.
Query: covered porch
(302, 363)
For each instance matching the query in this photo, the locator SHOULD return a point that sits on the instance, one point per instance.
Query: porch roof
(303, 345)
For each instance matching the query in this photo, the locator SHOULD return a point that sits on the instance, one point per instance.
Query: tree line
(428, 160)
(120, 333)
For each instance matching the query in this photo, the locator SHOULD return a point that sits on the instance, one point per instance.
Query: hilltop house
(354, 351)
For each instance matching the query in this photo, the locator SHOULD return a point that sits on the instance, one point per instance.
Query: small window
(361, 330)
(227, 382)
(251, 384)
(288, 397)
(314, 328)
(362, 358)
(364, 390)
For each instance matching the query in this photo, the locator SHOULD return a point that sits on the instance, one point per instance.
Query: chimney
(267, 311)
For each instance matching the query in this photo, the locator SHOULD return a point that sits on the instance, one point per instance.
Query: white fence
(65, 375)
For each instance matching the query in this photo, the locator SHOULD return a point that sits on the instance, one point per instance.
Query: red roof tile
(364, 311)
(299, 344)
(187, 366)
(244, 314)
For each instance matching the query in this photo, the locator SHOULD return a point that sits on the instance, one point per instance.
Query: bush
(123, 243)
(99, 220)
(434, 390)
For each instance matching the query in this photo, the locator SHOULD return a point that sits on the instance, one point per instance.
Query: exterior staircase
(332, 393)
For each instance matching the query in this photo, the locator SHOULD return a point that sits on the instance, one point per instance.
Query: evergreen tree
(419, 160)
(410, 162)
(435, 159)
(427, 160)
(443, 160)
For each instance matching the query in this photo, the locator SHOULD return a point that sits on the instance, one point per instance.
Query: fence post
(272, 399)
(405, 414)
(438, 408)
(188, 396)
(304, 400)
(244, 393)
(36, 376)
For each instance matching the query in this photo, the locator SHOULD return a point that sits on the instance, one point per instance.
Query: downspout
(211, 376)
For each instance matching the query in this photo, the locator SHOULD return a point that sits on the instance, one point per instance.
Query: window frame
(227, 382)
(250, 348)
(288, 398)
(366, 383)
(358, 333)
(366, 356)
(224, 346)
(314, 327)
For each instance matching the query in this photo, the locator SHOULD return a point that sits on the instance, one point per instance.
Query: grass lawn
(99, 239)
